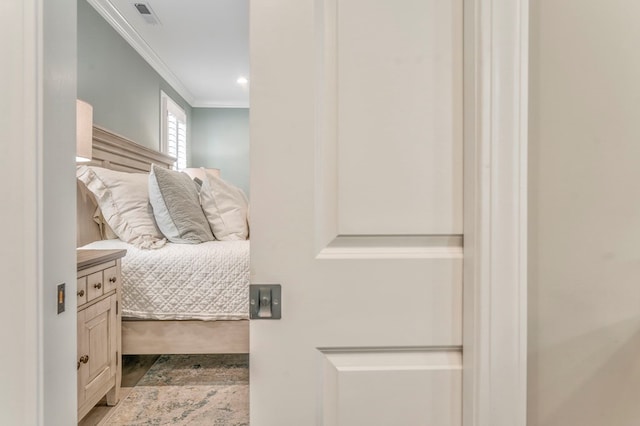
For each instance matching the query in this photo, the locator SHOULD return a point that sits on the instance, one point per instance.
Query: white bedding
(207, 281)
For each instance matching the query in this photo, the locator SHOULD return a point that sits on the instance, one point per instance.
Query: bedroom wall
(220, 139)
(584, 281)
(122, 87)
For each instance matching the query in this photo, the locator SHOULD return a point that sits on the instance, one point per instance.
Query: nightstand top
(87, 257)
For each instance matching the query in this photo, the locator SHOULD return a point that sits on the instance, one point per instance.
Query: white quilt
(207, 281)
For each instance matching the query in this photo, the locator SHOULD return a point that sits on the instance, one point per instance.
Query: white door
(356, 184)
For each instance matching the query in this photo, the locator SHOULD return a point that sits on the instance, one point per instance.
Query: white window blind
(174, 131)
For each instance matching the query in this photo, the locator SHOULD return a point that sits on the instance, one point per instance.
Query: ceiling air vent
(147, 14)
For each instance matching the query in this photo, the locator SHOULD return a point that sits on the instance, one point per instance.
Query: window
(174, 131)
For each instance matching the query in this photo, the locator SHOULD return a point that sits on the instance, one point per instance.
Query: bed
(163, 313)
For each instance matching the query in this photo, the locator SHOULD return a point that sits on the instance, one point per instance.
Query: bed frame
(140, 337)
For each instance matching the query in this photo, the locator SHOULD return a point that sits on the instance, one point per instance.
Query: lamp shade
(84, 130)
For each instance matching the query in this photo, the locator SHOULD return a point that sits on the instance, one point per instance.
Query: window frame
(168, 105)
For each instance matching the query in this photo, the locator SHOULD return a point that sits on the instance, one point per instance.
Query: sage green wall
(584, 214)
(120, 85)
(220, 139)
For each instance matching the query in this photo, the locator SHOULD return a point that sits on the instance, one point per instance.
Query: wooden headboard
(112, 151)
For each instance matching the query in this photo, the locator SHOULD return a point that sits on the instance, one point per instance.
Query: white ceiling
(200, 47)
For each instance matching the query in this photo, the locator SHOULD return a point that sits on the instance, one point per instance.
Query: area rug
(189, 390)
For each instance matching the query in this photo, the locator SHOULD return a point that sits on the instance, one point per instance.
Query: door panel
(398, 105)
(356, 183)
(407, 383)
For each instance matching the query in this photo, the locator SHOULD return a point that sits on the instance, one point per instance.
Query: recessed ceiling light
(242, 80)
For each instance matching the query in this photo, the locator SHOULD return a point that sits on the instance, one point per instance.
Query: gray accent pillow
(176, 207)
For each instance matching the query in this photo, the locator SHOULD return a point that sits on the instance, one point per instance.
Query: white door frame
(21, 175)
(496, 66)
(495, 271)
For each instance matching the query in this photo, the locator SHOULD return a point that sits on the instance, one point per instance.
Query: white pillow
(105, 230)
(123, 199)
(225, 207)
(200, 172)
(176, 207)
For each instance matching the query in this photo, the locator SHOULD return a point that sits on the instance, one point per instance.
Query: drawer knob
(81, 293)
(98, 286)
(113, 279)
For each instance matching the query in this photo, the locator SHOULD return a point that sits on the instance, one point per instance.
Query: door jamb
(495, 223)
(22, 172)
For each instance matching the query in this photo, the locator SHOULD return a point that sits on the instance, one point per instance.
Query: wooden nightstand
(99, 332)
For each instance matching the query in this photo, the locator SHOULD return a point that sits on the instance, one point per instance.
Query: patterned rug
(189, 390)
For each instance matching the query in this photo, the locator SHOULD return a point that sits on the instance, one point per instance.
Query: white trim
(168, 105)
(34, 213)
(111, 14)
(221, 104)
(350, 253)
(496, 220)
(21, 173)
(495, 328)
(393, 247)
(35, 295)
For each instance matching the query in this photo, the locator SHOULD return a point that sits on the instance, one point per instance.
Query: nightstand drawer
(110, 279)
(95, 286)
(82, 291)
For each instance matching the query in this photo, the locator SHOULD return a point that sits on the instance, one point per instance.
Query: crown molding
(109, 12)
(200, 103)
